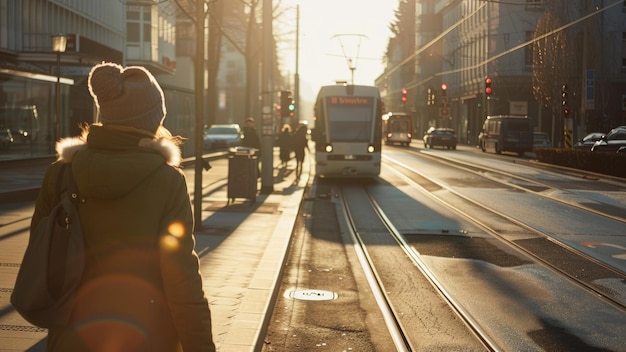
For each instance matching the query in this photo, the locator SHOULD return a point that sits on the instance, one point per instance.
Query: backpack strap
(72, 189)
(59, 189)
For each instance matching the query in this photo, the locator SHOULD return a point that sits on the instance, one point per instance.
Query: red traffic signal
(404, 97)
(488, 89)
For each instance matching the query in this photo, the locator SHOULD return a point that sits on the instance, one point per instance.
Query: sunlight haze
(331, 32)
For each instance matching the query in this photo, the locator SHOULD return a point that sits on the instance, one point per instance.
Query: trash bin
(242, 173)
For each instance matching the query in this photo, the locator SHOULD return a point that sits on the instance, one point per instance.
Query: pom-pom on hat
(128, 96)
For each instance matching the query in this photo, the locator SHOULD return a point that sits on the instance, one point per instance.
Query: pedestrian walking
(251, 140)
(250, 136)
(285, 145)
(300, 143)
(141, 289)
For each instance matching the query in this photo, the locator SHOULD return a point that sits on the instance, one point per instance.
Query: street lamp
(59, 41)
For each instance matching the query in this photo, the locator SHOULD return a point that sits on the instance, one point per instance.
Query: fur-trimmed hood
(108, 162)
(67, 147)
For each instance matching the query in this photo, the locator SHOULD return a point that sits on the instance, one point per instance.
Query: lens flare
(175, 232)
(176, 229)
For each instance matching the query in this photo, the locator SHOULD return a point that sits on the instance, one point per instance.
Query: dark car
(613, 140)
(440, 137)
(588, 141)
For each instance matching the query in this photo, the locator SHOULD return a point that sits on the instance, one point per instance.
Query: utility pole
(267, 91)
(296, 83)
(582, 113)
(199, 86)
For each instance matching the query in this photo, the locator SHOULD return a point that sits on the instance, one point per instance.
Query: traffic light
(444, 89)
(564, 100)
(285, 102)
(404, 97)
(488, 89)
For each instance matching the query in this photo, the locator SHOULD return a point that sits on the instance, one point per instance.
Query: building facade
(43, 92)
(530, 50)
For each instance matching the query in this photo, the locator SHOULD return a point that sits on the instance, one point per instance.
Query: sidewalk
(242, 247)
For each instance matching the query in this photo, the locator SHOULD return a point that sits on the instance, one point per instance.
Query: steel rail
(392, 323)
(600, 294)
(415, 257)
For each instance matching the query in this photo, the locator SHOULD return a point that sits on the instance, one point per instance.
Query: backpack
(53, 263)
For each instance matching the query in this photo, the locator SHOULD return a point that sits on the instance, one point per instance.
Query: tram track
(579, 267)
(526, 184)
(474, 321)
(400, 336)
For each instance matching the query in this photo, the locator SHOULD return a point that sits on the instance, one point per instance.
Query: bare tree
(548, 55)
(214, 44)
(252, 54)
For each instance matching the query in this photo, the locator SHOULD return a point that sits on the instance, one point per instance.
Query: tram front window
(350, 123)
(344, 131)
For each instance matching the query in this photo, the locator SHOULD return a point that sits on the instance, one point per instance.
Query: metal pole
(199, 86)
(57, 122)
(267, 127)
(296, 89)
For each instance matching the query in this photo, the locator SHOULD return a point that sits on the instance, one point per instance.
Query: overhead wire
(532, 41)
(490, 59)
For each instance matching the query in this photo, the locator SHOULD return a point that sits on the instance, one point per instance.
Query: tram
(348, 131)
(397, 128)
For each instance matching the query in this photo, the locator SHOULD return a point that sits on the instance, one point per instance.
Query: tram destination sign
(343, 100)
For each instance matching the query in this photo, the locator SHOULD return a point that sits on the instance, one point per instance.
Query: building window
(132, 32)
(138, 24)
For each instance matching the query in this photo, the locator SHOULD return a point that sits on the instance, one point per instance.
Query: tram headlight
(370, 148)
(328, 148)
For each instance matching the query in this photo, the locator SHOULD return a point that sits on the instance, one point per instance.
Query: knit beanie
(127, 96)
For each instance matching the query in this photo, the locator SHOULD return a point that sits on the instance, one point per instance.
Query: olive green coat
(142, 289)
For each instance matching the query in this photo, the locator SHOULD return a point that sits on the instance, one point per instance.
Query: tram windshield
(350, 119)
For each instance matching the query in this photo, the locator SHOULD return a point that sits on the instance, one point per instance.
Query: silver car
(222, 136)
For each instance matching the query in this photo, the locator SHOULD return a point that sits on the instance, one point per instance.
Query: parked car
(588, 141)
(613, 140)
(440, 137)
(222, 136)
(541, 140)
(6, 139)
